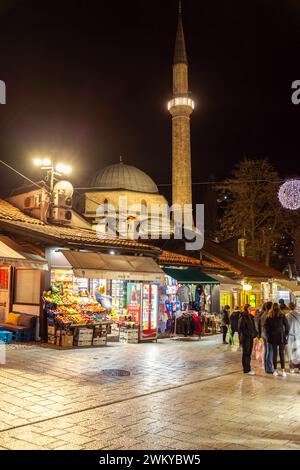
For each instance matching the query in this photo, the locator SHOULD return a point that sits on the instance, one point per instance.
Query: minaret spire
(180, 55)
(181, 107)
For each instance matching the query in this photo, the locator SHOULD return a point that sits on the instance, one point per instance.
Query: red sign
(4, 278)
(134, 311)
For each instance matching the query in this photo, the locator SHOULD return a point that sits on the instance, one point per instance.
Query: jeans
(247, 351)
(281, 355)
(224, 331)
(268, 356)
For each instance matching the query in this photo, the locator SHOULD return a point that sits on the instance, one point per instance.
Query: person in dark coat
(234, 320)
(247, 333)
(225, 322)
(283, 307)
(277, 328)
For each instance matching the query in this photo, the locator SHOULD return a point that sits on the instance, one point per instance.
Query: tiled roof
(168, 257)
(11, 213)
(16, 221)
(241, 266)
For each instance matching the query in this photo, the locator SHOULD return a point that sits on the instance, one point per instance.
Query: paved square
(179, 395)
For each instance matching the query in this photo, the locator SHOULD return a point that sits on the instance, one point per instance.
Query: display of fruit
(62, 320)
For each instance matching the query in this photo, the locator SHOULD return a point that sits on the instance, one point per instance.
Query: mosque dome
(121, 176)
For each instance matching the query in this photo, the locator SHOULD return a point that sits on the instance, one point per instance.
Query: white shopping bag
(235, 343)
(2, 352)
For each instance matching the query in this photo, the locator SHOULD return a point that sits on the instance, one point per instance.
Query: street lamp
(53, 170)
(59, 169)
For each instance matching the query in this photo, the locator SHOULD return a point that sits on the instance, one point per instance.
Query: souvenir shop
(95, 298)
(188, 303)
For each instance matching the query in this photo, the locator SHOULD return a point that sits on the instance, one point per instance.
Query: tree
(253, 210)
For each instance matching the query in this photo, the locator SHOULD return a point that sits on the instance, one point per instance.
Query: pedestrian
(293, 319)
(262, 333)
(225, 322)
(234, 320)
(277, 329)
(247, 332)
(283, 307)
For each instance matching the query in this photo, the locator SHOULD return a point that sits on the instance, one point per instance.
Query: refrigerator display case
(149, 313)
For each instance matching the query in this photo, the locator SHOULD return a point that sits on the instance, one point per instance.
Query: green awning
(190, 276)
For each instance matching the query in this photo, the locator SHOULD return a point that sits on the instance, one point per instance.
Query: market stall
(117, 294)
(188, 289)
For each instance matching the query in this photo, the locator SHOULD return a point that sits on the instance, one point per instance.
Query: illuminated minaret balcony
(181, 101)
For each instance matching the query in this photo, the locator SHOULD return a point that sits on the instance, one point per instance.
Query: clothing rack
(176, 336)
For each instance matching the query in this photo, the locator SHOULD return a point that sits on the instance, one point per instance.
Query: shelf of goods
(75, 321)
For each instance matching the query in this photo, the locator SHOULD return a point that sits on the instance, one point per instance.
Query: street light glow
(63, 169)
(46, 162)
(37, 162)
(40, 162)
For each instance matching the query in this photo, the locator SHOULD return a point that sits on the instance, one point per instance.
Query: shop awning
(102, 266)
(12, 254)
(226, 283)
(288, 284)
(190, 275)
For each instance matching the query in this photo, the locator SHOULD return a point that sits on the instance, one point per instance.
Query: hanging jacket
(183, 294)
(277, 329)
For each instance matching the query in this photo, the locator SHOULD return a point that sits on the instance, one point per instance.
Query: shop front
(95, 298)
(21, 278)
(185, 291)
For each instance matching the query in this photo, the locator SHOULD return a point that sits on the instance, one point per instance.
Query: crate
(6, 337)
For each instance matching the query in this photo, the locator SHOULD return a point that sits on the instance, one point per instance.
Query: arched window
(143, 207)
(105, 206)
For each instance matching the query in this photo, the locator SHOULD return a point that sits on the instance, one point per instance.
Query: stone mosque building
(120, 179)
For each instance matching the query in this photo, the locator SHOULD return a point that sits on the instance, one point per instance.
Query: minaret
(181, 107)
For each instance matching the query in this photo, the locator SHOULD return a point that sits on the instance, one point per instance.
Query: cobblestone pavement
(179, 395)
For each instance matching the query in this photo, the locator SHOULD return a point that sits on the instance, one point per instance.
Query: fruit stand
(74, 319)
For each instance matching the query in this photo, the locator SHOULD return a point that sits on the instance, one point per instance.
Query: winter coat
(247, 327)
(262, 332)
(277, 329)
(293, 319)
(234, 320)
(225, 318)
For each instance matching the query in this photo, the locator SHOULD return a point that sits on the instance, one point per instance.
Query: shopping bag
(235, 342)
(230, 337)
(259, 350)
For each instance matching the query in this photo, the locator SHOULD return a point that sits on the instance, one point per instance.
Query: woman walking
(262, 333)
(293, 318)
(247, 333)
(277, 329)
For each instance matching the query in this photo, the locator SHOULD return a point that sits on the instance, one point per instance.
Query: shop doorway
(4, 293)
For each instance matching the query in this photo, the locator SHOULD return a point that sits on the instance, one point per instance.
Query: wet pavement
(171, 395)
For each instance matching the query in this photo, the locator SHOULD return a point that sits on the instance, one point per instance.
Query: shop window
(27, 287)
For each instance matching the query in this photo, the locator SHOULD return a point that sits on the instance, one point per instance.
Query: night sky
(91, 80)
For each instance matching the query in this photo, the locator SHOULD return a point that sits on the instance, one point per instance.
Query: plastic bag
(235, 344)
(259, 350)
(230, 337)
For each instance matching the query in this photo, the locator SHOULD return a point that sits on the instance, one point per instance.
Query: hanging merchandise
(183, 294)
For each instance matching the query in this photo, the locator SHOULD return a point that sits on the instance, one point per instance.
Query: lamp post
(53, 170)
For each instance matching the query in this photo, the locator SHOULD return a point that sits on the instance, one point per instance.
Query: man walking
(247, 332)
